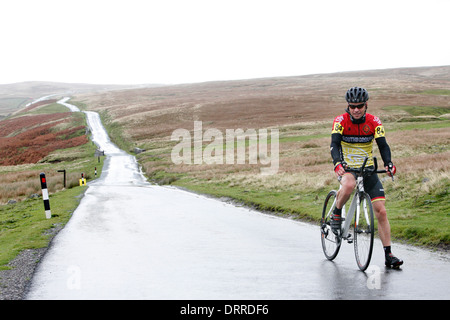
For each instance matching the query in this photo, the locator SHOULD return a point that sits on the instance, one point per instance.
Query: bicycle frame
(356, 201)
(354, 208)
(348, 216)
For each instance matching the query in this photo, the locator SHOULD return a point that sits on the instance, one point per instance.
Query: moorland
(412, 103)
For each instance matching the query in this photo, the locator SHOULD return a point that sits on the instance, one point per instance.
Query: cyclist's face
(357, 112)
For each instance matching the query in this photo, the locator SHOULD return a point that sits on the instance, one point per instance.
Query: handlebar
(362, 169)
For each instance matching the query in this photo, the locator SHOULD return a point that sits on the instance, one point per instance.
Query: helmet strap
(357, 121)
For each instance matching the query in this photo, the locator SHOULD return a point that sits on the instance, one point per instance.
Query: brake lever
(390, 172)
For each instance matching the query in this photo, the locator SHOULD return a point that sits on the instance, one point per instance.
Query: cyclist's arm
(385, 151)
(335, 148)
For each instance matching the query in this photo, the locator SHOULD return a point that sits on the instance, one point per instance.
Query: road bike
(362, 227)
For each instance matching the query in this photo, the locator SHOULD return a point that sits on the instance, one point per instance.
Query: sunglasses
(359, 106)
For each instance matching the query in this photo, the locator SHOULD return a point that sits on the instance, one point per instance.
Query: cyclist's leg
(384, 228)
(375, 189)
(348, 183)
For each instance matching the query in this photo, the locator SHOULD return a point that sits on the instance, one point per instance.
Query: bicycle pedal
(349, 238)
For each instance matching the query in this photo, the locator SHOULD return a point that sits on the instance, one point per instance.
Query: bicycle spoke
(330, 242)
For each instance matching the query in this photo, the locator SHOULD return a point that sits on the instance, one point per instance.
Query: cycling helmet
(356, 95)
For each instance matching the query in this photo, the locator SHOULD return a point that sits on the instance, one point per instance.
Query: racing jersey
(356, 140)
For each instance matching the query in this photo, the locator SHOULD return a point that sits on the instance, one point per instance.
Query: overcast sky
(179, 41)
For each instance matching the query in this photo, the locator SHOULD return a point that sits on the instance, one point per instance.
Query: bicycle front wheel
(364, 233)
(330, 242)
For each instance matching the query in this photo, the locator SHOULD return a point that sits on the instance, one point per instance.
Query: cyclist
(351, 140)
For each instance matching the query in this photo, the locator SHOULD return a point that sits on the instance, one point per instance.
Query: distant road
(43, 99)
(129, 239)
(72, 108)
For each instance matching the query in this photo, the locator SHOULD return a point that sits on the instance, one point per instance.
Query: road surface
(129, 239)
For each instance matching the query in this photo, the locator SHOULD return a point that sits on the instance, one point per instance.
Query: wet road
(132, 240)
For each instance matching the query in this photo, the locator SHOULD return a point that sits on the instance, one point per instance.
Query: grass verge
(23, 225)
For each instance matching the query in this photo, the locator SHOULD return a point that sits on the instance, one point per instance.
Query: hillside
(44, 137)
(413, 103)
(15, 96)
(151, 112)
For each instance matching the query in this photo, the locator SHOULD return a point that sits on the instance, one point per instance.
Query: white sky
(178, 41)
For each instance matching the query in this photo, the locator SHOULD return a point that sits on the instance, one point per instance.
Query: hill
(146, 113)
(413, 103)
(15, 96)
(44, 137)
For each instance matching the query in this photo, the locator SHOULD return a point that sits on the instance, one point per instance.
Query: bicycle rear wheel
(330, 242)
(364, 233)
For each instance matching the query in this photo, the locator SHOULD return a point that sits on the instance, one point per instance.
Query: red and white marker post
(48, 213)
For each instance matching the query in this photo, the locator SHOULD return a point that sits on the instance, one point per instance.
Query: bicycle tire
(330, 242)
(363, 233)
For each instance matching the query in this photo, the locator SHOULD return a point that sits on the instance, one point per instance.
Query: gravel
(15, 282)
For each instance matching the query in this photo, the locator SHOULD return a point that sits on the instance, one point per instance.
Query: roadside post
(99, 153)
(63, 171)
(82, 180)
(48, 213)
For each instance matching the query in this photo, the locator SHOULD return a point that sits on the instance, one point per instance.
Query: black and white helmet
(356, 95)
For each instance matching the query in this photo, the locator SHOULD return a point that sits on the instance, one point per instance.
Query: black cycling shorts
(373, 186)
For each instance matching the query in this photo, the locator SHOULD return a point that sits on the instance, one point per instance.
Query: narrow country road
(129, 239)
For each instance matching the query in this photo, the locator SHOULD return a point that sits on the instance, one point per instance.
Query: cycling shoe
(392, 261)
(335, 223)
